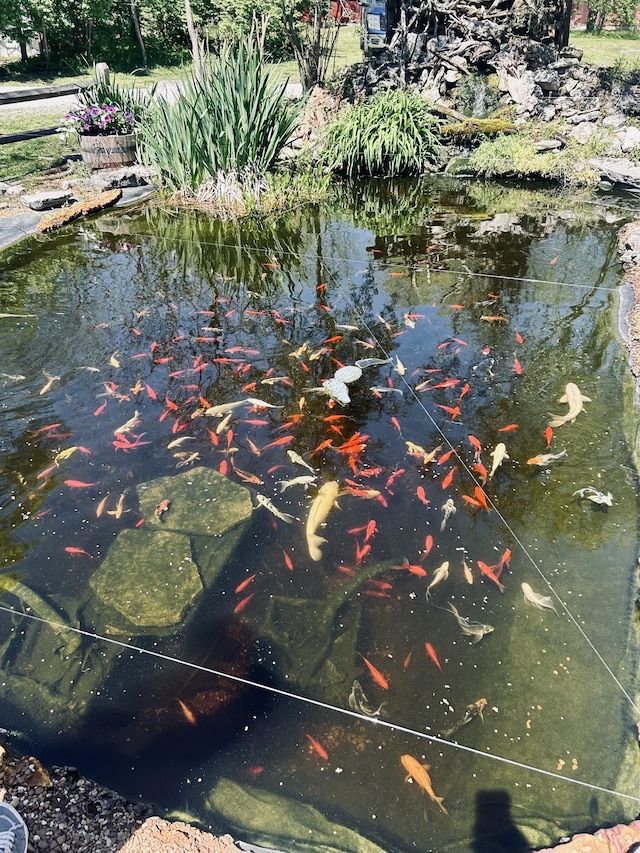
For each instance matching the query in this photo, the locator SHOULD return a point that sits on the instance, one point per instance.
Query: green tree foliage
(133, 33)
(621, 11)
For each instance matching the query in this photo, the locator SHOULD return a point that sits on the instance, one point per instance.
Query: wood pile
(447, 46)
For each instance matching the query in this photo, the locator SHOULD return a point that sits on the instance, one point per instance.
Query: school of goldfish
(313, 458)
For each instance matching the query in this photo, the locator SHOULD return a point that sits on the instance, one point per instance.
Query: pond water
(129, 513)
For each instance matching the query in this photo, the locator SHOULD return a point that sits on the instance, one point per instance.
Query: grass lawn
(618, 47)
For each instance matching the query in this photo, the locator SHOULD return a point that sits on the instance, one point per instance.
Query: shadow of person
(494, 830)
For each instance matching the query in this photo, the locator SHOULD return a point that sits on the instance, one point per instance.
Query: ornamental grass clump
(230, 121)
(393, 133)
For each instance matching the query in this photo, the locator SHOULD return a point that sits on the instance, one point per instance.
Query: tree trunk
(194, 37)
(44, 44)
(136, 26)
(23, 51)
(564, 24)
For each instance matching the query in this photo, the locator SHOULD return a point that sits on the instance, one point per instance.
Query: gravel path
(66, 813)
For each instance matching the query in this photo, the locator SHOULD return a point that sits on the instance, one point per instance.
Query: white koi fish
(297, 481)
(298, 460)
(323, 503)
(589, 493)
(544, 459)
(267, 504)
(440, 574)
(542, 602)
(576, 400)
(223, 408)
(449, 509)
(499, 454)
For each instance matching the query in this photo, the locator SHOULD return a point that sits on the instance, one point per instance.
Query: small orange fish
(420, 492)
(371, 530)
(454, 411)
(412, 569)
(445, 456)
(428, 544)
(318, 747)
(240, 606)
(488, 572)
(407, 660)
(77, 552)
(245, 583)
(517, 366)
(449, 478)
(433, 655)
(481, 471)
(287, 560)
(471, 501)
(519, 338)
(481, 498)
(279, 442)
(548, 434)
(377, 676)
(78, 484)
(494, 318)
(508, 428)
(189, 716)
(475, 443)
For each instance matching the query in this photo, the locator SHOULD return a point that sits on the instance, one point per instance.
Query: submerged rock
(274, 821)
(202, 503)
(177, 552)
(163, 585)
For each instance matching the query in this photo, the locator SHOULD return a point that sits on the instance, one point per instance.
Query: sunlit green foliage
(392, 133)
(231, 121)
(516, 156)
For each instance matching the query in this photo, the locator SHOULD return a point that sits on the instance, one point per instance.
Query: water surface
(487, 304)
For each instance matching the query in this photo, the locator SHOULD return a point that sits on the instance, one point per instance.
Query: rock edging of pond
(26, 211)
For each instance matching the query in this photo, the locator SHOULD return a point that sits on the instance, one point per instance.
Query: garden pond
(170, 621)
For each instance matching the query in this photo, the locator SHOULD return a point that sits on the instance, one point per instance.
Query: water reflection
(479, 314)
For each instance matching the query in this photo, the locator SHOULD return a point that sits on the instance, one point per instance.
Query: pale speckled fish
(298, 460)
(267, 504)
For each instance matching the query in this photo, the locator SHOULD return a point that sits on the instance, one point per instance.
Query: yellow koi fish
(418, 772)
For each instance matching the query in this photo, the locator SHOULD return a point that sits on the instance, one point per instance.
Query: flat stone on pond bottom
(148, 576)
(202, 503)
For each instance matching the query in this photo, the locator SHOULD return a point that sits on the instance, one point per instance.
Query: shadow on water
(494, 830)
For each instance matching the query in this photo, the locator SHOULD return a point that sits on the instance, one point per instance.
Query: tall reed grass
(393, 133)
(232, 120)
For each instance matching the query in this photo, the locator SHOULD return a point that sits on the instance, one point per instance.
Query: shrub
(230, 121)
(393, 133)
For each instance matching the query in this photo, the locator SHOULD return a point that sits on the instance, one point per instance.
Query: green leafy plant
(393, 133)
(231, 120)
(126, 98)
(98, 120)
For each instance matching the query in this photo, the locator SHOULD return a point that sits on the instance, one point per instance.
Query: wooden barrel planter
(108, 152)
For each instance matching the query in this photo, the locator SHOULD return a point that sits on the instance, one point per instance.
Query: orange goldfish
(418, 772)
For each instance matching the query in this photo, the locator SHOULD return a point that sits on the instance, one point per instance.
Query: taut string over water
(374, 721)
(189, 433)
